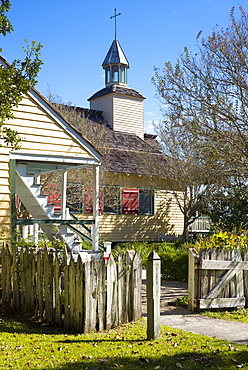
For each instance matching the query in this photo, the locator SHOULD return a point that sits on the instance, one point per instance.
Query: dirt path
(170, 291)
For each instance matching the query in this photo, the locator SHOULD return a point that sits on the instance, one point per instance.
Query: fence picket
(111, 309)
(40, 284)
(57, 291)
(66, 295)
(48, 285)
(101, 294)
(232, 283)
(246, 277)
(16, 281)
(129, 261)
(135, 292)
(79, 296)
(239, 276)
(72, 288)
(122, 301)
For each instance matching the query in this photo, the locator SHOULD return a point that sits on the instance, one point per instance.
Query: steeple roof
(115, 55)
(117, 90)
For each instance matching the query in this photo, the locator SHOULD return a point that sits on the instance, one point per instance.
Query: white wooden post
(36, 234)
(153, 272)
(63, 195)
(95, 235)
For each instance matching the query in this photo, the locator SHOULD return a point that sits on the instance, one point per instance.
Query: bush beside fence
(82, 295)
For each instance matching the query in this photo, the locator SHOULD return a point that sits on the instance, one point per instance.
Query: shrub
(174, 257)
(224, 239)
(174, 265)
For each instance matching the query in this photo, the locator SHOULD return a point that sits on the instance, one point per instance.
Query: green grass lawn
(240, 315)
(26, 345)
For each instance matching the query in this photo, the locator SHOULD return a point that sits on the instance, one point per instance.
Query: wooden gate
(218, 278)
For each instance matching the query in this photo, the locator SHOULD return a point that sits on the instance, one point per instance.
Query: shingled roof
(115, 55)
(121, 152)
(128, 153)
(116, 89)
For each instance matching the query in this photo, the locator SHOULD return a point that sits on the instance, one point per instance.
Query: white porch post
(63, 195)
(95, 235)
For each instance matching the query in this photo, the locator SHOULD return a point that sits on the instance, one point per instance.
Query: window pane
(122, 73)
(115, 74)
(111, 199)
(130, 201)
(107, 75)
(146, 202)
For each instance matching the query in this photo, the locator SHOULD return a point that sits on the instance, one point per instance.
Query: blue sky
(77, 34)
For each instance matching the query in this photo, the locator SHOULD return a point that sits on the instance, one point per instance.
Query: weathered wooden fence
(218, 278)
(85, 296)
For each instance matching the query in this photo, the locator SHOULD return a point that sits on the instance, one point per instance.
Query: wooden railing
(200, 225)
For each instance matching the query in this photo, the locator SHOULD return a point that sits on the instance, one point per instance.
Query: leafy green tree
(16, 79)
(205, 95)
(228, 208)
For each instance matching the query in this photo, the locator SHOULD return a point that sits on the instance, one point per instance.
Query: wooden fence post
(135, 287)
(246, 278)
(153, 270)
(122, 296)
(111, 299)
(16, 282)
(192, 279)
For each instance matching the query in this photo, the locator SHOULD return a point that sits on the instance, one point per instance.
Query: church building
(136, 202)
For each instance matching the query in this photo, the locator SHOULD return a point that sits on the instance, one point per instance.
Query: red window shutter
(88, 199)
(130, 201)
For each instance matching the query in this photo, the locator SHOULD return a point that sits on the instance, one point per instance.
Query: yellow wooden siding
(5, 193)
(104, 104)
(4, 176)
(5, 204)
(41, 133)
(128, 115)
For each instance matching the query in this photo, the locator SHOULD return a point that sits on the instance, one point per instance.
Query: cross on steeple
(114, 16)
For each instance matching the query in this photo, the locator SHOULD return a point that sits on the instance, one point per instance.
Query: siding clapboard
(128, 115)
(104, 104)
(41, 133)
(123, 113)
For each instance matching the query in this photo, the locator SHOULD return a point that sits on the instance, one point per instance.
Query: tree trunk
(185, 228)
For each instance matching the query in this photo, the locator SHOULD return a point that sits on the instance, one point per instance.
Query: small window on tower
(108, 75)
(122, 73)
(115, 74)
